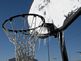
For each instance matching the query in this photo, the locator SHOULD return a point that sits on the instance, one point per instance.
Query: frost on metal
(54, 11)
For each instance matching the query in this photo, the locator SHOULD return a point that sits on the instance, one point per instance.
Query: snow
(54, 11)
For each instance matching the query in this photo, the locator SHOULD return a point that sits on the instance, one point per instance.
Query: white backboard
(54, 11)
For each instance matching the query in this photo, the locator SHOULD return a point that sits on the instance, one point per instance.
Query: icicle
(45, 41)
(39, 43)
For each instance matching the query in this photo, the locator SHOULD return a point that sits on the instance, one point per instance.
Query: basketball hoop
(22, 36)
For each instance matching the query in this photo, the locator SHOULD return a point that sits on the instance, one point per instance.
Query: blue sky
(10, 8)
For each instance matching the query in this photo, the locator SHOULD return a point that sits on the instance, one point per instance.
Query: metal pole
(63, 47)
